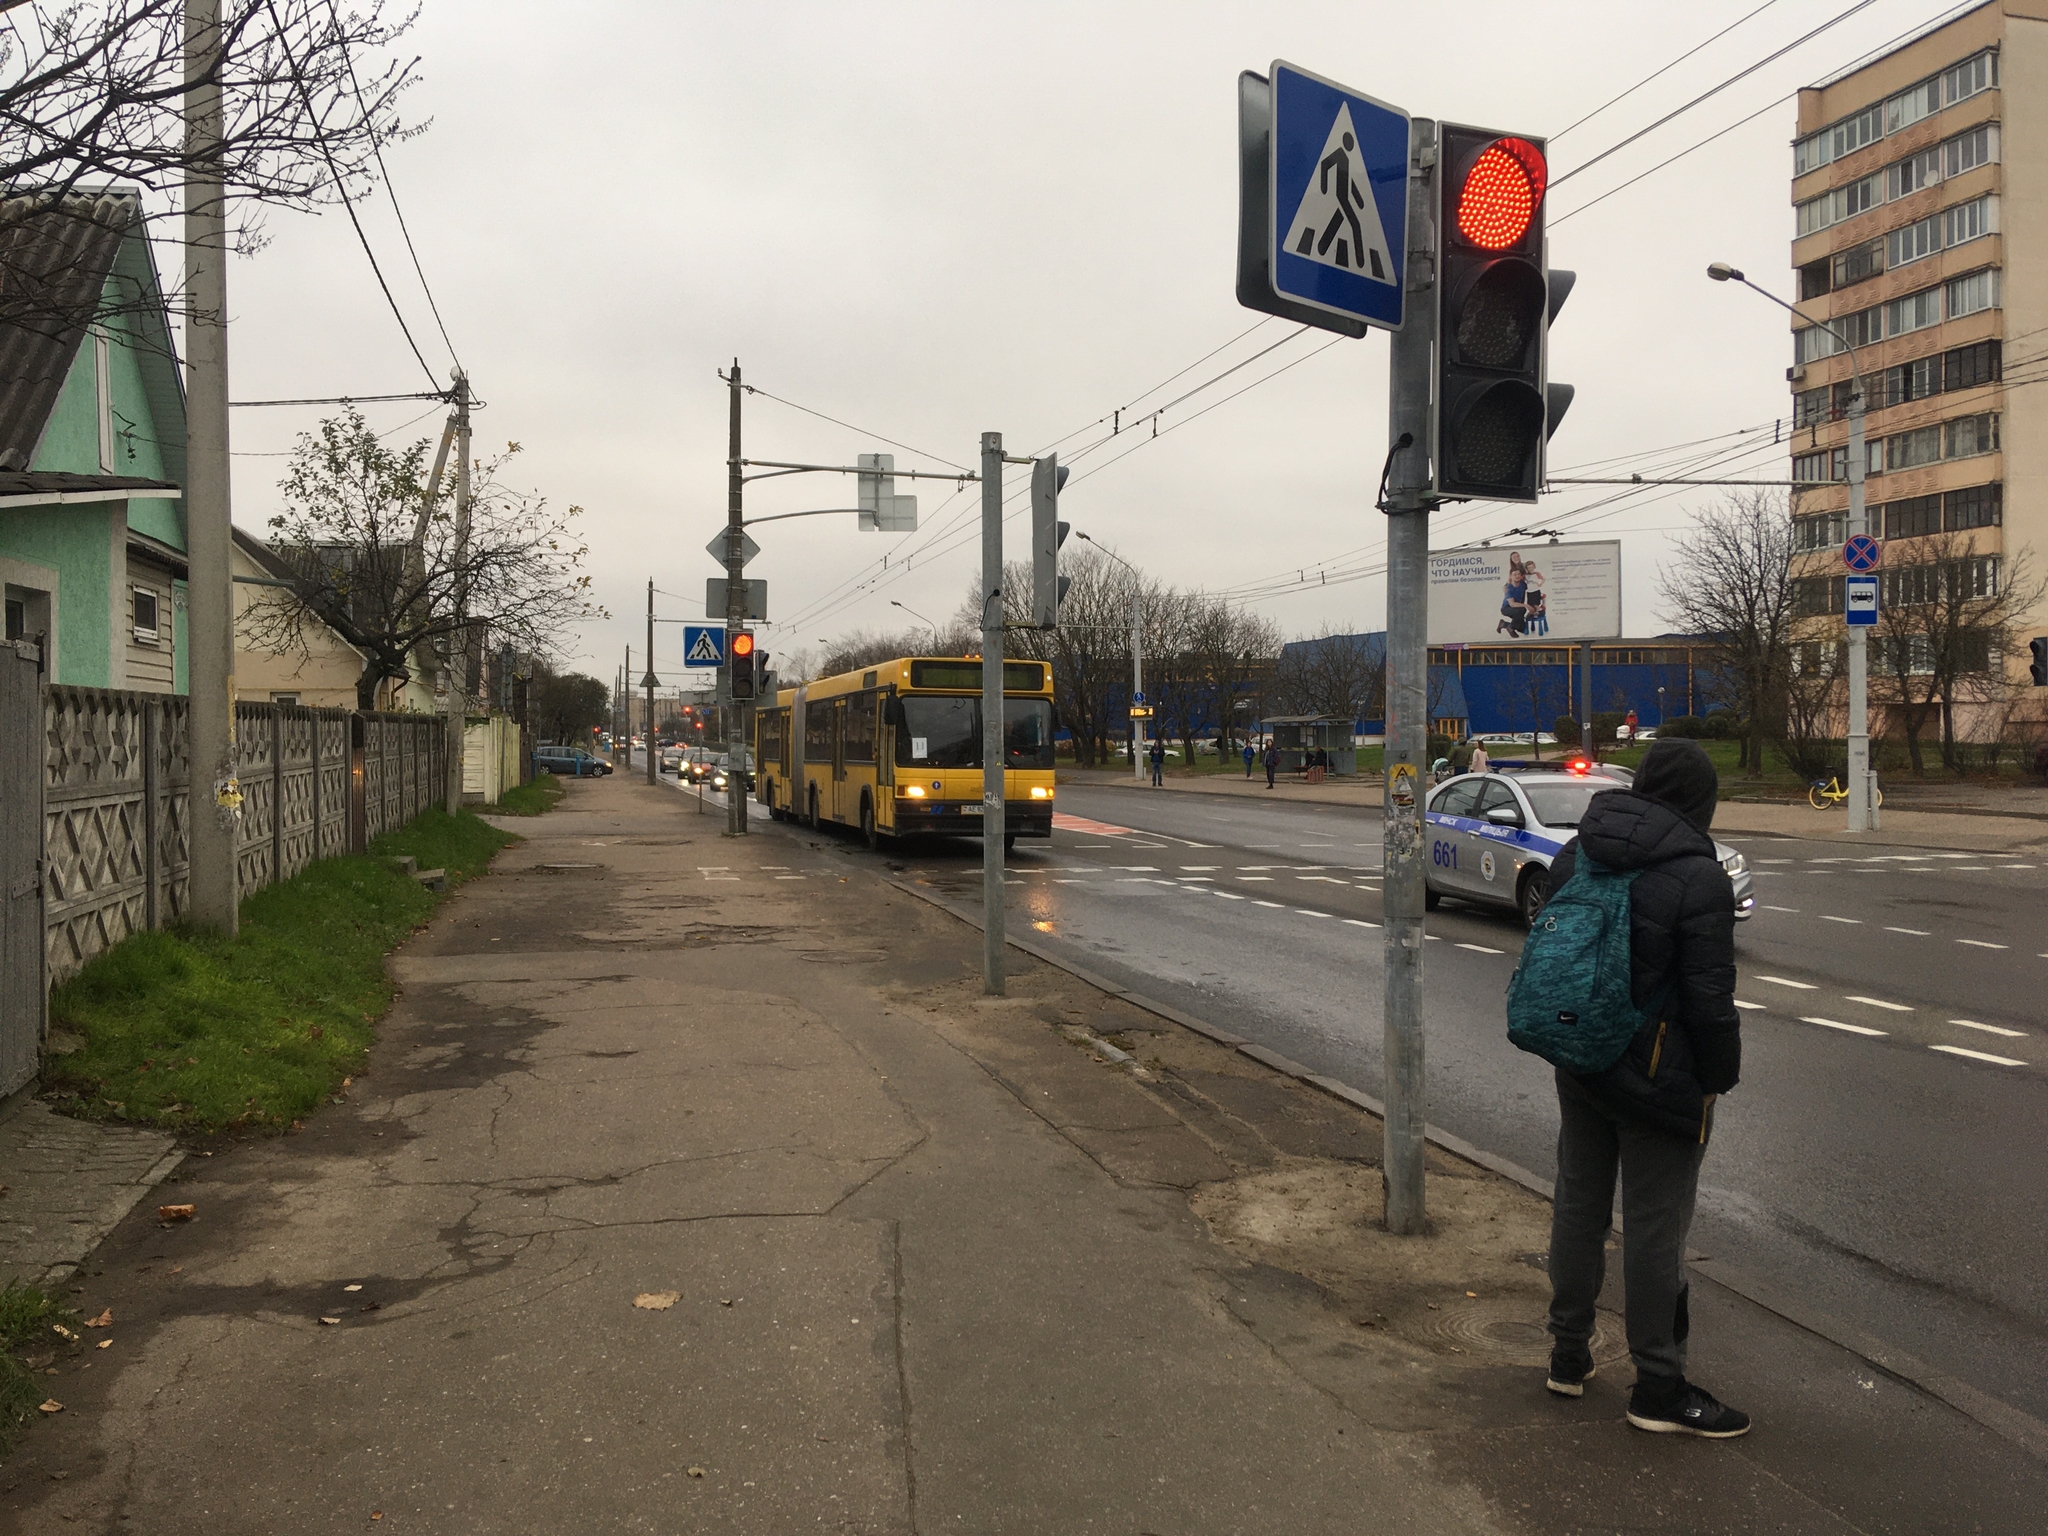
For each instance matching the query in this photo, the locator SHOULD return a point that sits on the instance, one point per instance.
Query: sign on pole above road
(881, 509)
(715, 593)
(1861, 552)
(1859, 601)
(703, 645)
(718, 548)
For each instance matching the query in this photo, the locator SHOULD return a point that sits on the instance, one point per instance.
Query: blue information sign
(1859, 601)
(1861, 552)
(703, 645)
(1339, 188)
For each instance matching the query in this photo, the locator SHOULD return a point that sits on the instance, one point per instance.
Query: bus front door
(841, 811)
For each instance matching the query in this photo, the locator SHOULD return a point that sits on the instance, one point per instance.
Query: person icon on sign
(1337, 164)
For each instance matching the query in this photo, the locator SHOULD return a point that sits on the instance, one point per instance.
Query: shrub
(1685, 727)
(1566, 730)
(1722, 725)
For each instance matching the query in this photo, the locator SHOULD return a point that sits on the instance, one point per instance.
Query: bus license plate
(970, 810)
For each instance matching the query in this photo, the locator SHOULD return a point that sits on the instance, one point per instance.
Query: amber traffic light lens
(1501, 194)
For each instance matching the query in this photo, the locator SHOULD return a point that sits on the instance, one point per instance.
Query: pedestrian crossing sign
(703, 645)
(1339, 198)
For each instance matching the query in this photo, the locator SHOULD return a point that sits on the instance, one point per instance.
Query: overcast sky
(932, 221)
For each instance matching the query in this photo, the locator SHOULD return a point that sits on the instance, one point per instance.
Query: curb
(2010, 1424)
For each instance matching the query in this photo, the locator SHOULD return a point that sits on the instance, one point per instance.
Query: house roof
(50, 485)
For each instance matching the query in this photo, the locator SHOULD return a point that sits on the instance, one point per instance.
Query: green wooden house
(92, 445)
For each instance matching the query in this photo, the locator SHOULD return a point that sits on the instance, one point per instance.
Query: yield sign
(717, 547)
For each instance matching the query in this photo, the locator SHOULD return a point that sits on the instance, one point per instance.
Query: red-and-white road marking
(1064, 823)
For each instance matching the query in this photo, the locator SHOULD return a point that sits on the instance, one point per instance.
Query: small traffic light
(1494, 408)
(1048, 533)
(2039, 645)
(742, 654)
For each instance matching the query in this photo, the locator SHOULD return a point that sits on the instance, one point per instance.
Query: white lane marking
(1918, 933)
(1229, 896)
(2015, 866)
(1148, 869)
(1070, 882)
(1258, 879)
(1991, 1029)
(1306, 912)
(1773, 861)
(1996, 1061)
(1433, 938)
(1266, 903)
(1854, 1029)
(1826, 918)
(1359, 922)
(1095, 845)
(1803, 986)
(1781, 909)
(1970, 869)
(1741, 1004)
(1144, 845)
(1982, 944)
(796, 877)
(1246, 868)
(775, 866)
(1326, 879)
(1201, 866)
(1481, 949)
(1948, 855)
(1878, 1002)
(1130, 880)
(1196, 879)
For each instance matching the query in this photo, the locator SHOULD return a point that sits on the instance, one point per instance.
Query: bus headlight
(913, 791)
(1041, 793)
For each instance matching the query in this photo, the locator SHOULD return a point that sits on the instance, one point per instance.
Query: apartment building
(1920, 195)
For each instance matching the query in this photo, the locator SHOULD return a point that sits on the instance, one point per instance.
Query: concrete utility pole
(992, 938)
(216, 797)
(1410, 370)
(735, 621)
(457, 648)
(650, 682)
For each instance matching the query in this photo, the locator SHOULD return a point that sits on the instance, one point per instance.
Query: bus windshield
(945, 732)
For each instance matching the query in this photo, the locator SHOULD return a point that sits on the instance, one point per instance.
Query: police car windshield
(1561, 805)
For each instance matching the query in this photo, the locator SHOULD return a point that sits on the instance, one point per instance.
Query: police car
(1492, 837)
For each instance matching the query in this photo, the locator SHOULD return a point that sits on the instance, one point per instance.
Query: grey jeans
(1660, 1175)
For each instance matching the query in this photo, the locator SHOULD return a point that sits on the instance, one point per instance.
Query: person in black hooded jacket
(1648, 1116)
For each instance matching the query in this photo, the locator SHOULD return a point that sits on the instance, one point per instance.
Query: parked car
(1492, 837)
(570, 761)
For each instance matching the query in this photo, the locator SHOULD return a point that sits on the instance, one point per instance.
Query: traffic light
(1494, 405)
(1048, 533)
(741, 653)
(2040, 667)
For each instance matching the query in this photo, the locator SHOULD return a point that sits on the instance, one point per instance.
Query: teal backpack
(1568, 1000)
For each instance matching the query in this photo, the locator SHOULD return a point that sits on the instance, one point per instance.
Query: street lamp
(920, 617)
(1137, 656)
(1860, 797)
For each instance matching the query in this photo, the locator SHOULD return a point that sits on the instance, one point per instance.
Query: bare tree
(1732, 579)
(352, 509)
(1333, 673)
(1813, 707)
(1947, 616)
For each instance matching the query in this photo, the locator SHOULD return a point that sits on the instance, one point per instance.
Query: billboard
(1510, 594)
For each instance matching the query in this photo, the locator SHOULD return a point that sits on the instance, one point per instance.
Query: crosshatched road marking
(1783, 981)
(1982, 944)
(1481, 949)
(1918, 933)
(1854, 1029)
(1741, 1004)
(1996, 1061)
(1065, 823)
(1991, 1029)
(1878, 1002)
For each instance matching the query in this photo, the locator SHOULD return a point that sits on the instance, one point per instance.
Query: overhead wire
(1654, 74)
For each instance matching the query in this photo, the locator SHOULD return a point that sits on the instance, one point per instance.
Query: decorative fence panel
(117, 803)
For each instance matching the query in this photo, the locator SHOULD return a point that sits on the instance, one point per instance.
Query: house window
(1910, 381)
(1816, 595)
(1811, 343)
(1971, 294)
(1810, 407)
(1913, 242)
(17, 619)
(284, 698)
(1824, 530)
(1810, 468)
(146, 632)
(1813, 279)
(1856, 263)
(1839, 203)
(1909, 450)
(1972, 435)
(1913, 173)
(1838, 139)
(103, 359)
(1967, 151)
(1912, 518)
(1915, 312)
(1968, 367)
(1979, 506)
(1962, 81)
(1969, 221)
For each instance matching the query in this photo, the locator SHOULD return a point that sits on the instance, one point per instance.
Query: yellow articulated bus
(895, 750)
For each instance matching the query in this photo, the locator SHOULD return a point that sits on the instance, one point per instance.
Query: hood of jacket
(1626, 829)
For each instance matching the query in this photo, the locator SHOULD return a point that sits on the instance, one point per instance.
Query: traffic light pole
(649, 681)
(1411, 372)
(1862, 818)
(735, 621)
(992, 938)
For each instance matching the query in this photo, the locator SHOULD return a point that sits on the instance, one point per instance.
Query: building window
(1910, 586)
(103, 373)
(1811, 468)
(1968, 367)
(1813, 596)
(1812, 343)
(1979, 506)
(1910, 450)
(145, 616)
(1969, 221)
(1913, 173)
(1810, 407)
(1968, 295)
(1857, 263)
(1964, 80)
(1912, 518)
(1972, 435)
(1823, 530)
(1839, 203)
(1838, 139)
(1967, 151)
(284, 698)
(1915, 312)
(1913, 242)
(1909, 381)
(1813, 279)
(1911, 105)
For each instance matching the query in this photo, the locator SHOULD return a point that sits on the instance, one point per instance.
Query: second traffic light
(1495, 407)
(1048, 533)
(740, 658)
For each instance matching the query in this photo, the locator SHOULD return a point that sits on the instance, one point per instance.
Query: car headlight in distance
(1735, 864)
(1040, 792)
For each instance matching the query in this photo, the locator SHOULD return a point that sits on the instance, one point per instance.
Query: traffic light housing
(740, 657)
(2039, 645)
(1493, 408)
(1048, 533)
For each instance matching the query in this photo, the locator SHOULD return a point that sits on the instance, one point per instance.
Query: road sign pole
(1860, 818)
(735, 621)
(1411, 367)
(992, 713)
(1137, 676)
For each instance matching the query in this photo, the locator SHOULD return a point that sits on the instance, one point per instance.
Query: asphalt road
(1869, 1164)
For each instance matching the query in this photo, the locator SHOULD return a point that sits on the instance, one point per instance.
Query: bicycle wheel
(1817, 797)
(1877, 795)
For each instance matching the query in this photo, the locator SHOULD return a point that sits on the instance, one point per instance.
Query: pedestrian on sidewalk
(1272, 763)
(1479, 760)
(1159, 765)
(1648, 1116)
(1250, 757)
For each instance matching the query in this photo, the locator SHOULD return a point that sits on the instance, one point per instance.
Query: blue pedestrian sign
(1859, 601)
(1338, 208)
(1862, 553)
(703, 645)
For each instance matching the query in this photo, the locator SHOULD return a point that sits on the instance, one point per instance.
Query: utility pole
(992, 939)
(622, 744)
(1137, 675)
(216, 795)
(649, 681)
(1411, 370)
(1862, 814)
(457, 648)
(735, 621)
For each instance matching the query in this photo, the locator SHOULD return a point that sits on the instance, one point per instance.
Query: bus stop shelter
(1304, 741)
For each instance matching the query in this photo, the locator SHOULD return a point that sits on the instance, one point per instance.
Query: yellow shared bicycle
(1822, 793)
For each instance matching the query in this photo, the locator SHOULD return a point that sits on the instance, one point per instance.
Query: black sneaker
(1569, 1375)
(1693, 1411)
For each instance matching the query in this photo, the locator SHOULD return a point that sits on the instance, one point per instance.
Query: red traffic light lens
(1501, 194)
(743, 644)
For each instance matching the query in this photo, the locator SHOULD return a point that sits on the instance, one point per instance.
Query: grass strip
(193, 1032)
(29, 1342)
(536, 795)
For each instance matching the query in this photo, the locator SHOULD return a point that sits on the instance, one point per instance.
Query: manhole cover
(1510, 1330)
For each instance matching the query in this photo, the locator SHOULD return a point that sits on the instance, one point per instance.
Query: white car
(1492, 837)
